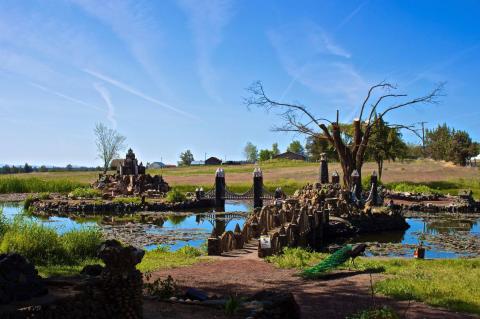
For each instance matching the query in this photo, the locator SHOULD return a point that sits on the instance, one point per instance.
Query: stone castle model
(131, 179)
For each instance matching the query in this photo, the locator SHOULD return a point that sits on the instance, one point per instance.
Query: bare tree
(109, 144)
(298, 119)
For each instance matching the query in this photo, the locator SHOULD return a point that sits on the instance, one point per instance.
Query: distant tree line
(386, 144)
(7, 169)
(446, 143)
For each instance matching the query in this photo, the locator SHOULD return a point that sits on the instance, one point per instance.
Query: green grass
(443, 187)
(84, 192)
(42, 245)
(36, 185)
(449, 283)
(64, 269)
(162, 258)
(157, 259)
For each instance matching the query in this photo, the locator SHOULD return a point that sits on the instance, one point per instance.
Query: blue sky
(171, 75)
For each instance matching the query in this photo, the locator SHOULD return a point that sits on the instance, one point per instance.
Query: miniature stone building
(130, 165)
(131, 179)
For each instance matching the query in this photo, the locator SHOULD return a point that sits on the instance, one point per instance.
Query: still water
(444, 236)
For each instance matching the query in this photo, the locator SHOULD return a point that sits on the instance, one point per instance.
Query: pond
(443, 235)
(177, 230)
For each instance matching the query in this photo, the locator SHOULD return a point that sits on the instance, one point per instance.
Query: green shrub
(83, 192)
(4, 226)
(82, 244)
(42, 245)
(36, 185)
(190, 251)
(411, 188)
(38, 243)
(175, 196)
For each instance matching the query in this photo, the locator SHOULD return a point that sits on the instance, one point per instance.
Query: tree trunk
(380, 169)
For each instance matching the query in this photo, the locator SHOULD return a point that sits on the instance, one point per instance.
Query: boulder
(19, 280)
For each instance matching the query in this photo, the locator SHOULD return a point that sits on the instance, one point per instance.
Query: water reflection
(198, 227)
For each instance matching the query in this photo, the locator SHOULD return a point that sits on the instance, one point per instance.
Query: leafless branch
(383, 85)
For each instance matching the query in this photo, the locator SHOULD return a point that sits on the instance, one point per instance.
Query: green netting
(334, 260)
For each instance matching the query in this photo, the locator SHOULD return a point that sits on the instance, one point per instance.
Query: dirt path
(336, 297)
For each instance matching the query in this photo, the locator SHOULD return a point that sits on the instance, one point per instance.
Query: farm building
(290, 156)
(213, 161)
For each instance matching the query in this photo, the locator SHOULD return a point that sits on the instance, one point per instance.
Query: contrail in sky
(71, 99)
(134, 91)
(106, 97)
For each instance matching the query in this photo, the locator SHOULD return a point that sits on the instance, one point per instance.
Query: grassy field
(450, 283)
(290, 175)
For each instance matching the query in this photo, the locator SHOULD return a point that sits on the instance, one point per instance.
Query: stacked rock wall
(115, 293)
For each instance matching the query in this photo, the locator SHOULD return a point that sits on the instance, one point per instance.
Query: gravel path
(336, 297)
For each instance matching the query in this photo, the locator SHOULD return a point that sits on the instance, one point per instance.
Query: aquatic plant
(43, 245)
(175, 196)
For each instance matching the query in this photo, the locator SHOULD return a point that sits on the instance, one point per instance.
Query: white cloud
(207, 21)
(105, 94)
(136, 92)
(312, 58)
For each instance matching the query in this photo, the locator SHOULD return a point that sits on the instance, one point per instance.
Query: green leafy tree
(43, 169)
(27, 168)
(316, 146)
(186, 158)
(296, 147)
(438, 142)
(275, 149)
(265, 155)
(462, 148)
(250, 151)
(385, 144)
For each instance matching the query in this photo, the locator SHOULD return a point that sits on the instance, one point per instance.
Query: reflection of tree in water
(448, 225)
(176, 219)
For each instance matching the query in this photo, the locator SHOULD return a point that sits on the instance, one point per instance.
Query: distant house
(156, 165)
(116, 163)
(290, 156)
(197, 163)
(213, 161)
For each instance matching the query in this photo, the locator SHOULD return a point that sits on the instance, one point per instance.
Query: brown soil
(419, 171)
(336, 297)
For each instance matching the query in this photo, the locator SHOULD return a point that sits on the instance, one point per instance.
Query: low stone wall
(114, 291)
(66, 207)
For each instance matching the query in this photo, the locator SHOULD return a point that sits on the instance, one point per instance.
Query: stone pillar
(257, 188)
(214, 245)
(374, 189)
(335, 178)
(356, 184)
(237, 234)
(282, 237)
(220, 190)
(323, 169)
(121, 282)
